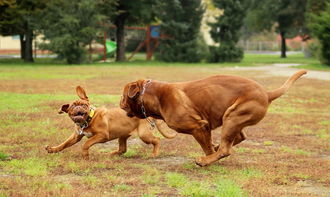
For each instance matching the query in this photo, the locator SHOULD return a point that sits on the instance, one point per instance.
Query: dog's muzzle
(78, 119)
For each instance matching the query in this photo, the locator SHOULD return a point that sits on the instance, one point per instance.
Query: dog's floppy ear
(64, 109)
(133, 90)
(81, 93)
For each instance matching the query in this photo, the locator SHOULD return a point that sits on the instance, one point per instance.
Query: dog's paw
(116, 153)
(50, 149)
(200, 161)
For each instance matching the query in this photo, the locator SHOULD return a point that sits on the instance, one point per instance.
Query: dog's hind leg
(238, 116)
(239, 138)
(228, 135)
(122, 141)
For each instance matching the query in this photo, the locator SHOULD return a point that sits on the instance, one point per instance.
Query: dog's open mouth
(78, 119)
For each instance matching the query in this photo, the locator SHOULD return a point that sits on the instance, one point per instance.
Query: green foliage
(226, 31)
(70, 26)
(20, 18)
(320, 27)
(287, 16)
(131, 12)
(225, 53)
(181, 20)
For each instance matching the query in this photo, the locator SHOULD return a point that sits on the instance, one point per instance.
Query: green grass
(91, 180)
(3, 156)
(324, 122)
(175, 179)
(268, 143)
(249, 173)
(32, 102)
(276, 59)
(122, 188)
(315, 66)
(151, 176)
(30, 166)
(130, 153)
(44, 75)
(225, 188)
(294, 151)
(285, 109)
(323, 134)
(301, 176)
(197, 189)
(249, 60)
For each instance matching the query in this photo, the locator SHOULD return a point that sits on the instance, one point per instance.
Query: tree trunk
(28, 57)
(283, 45)
(120, 35)
(22, 42)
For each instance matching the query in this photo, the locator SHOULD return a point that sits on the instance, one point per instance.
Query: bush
(320, 26)
(312, 49)
(181, 20)
(69, 26)
(226, 31)
(225, 53)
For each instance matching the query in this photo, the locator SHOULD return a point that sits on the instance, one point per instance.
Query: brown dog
(197, 107)
(102, 125)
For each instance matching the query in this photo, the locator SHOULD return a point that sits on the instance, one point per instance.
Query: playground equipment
(151, 34)
(151, 41)
(110, 47)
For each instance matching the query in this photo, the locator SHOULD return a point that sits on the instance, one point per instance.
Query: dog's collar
(84, 125)
(143, 109)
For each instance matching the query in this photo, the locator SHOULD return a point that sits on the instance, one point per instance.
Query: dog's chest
(87, 134)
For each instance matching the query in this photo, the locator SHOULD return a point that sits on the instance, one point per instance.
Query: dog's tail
(272, 95)
(164, 133)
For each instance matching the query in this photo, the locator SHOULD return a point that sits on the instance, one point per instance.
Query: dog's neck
(143, 110)
(149, 106)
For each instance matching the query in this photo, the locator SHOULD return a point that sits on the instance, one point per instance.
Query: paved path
(287, 70)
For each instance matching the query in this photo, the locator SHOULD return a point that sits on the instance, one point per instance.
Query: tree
(18, 17)
(287, 15)
(320, 27)
(226, 31)
(69, 26)
(180, 22)
(131, 12)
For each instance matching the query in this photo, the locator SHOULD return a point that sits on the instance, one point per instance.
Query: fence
(269, 45)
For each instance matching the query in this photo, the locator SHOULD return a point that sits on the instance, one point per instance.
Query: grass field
(286, 154)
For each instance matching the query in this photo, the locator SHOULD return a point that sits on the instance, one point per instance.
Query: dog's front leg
(90, 142)
(73, 139)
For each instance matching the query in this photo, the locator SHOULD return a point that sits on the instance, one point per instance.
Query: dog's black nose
(130, 115)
